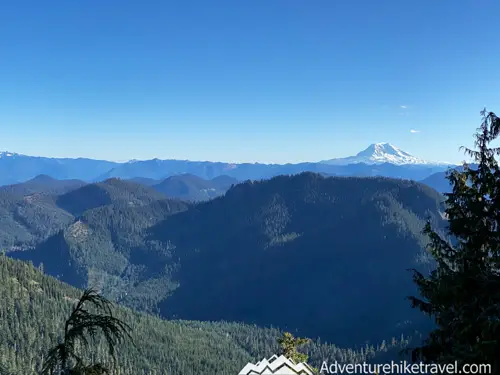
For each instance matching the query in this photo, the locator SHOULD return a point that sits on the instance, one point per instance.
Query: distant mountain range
(16, 168)
(380, 159)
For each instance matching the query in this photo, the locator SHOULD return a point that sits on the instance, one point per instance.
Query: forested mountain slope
(27, 220)
(107, 247)
(33, 211)
(328, 256)
(110, 191)
(33, 308)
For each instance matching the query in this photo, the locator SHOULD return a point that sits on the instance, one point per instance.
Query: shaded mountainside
(34, 307)
(104, 242)
(107, 247)
(327, 256)
(32, 211)
(27, 220)
(331, 252)
(193, 188)
(110, 191)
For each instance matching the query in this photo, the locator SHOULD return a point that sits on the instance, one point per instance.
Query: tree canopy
(463, 293)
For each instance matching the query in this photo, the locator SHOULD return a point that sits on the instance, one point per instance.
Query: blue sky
(245, 80)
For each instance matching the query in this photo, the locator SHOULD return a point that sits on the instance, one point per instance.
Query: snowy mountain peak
(384, 150)
(6, 154)
(379, 153)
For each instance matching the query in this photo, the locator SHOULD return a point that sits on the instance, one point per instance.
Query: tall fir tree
(289, 345)
(462, 294)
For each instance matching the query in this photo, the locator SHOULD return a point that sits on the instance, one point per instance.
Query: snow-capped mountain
(6, 154)
(380, 153)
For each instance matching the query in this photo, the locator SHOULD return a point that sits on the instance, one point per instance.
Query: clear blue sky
(245, 80)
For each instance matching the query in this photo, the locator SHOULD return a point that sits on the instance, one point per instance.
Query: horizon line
(133, 160)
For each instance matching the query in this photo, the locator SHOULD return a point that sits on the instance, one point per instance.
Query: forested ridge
(185, 261)
(343, 239)
(110, 191)
(33, 308)
(43, 184)
(27, 220)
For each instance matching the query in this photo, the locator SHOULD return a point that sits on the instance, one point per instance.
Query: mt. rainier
(380, 153)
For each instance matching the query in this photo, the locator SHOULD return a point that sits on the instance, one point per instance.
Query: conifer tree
(289, 345)
(462, 294)
(82, 330)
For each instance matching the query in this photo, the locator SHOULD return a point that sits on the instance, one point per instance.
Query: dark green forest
(156, 254)
(27, 220)
(33, 308)
(254, 243)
